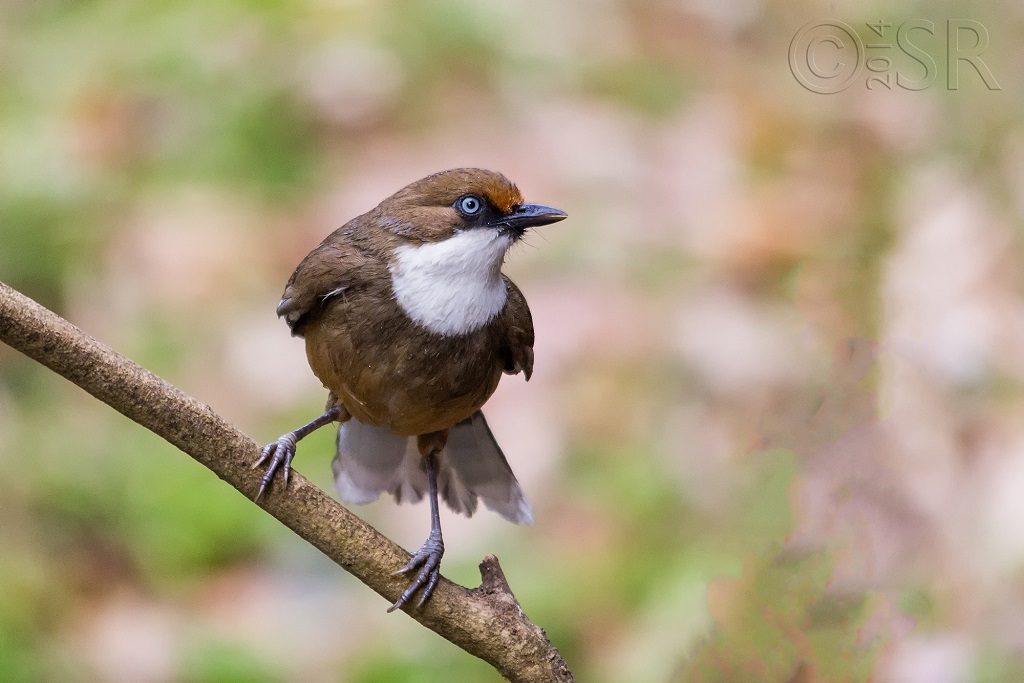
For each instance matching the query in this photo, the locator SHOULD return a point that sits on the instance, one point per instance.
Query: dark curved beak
(529, 216)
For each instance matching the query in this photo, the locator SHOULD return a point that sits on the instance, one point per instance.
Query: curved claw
(280, 452)
(428, 590)
(428, 560)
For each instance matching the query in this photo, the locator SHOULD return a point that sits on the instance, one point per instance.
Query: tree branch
(486, 622)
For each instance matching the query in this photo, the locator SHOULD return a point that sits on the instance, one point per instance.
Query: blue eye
(470, 205)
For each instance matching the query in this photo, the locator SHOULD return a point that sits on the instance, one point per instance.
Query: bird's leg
(428, 558)
(282, 451)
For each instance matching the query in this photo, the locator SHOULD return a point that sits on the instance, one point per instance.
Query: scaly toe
(428, 560)
(275, 455)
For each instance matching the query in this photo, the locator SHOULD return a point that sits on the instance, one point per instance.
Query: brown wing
(518, 332)
(326, 272)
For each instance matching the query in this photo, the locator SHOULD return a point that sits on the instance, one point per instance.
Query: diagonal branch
(486, 622)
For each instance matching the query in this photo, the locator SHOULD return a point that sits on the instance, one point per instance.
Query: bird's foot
(428, 560)
(276, 454)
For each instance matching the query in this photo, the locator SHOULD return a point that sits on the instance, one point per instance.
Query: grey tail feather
(370, 460)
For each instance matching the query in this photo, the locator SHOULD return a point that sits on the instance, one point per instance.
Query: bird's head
(449, 235)
(462, 200)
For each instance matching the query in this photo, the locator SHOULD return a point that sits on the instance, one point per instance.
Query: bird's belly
(389, 372)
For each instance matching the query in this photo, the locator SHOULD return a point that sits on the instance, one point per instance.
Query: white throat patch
(454, 286)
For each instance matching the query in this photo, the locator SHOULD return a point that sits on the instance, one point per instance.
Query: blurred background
(774, 429)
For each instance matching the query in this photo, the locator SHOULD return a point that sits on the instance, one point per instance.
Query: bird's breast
(389, 370)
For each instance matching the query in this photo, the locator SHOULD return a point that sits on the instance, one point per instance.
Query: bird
(409, 324)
